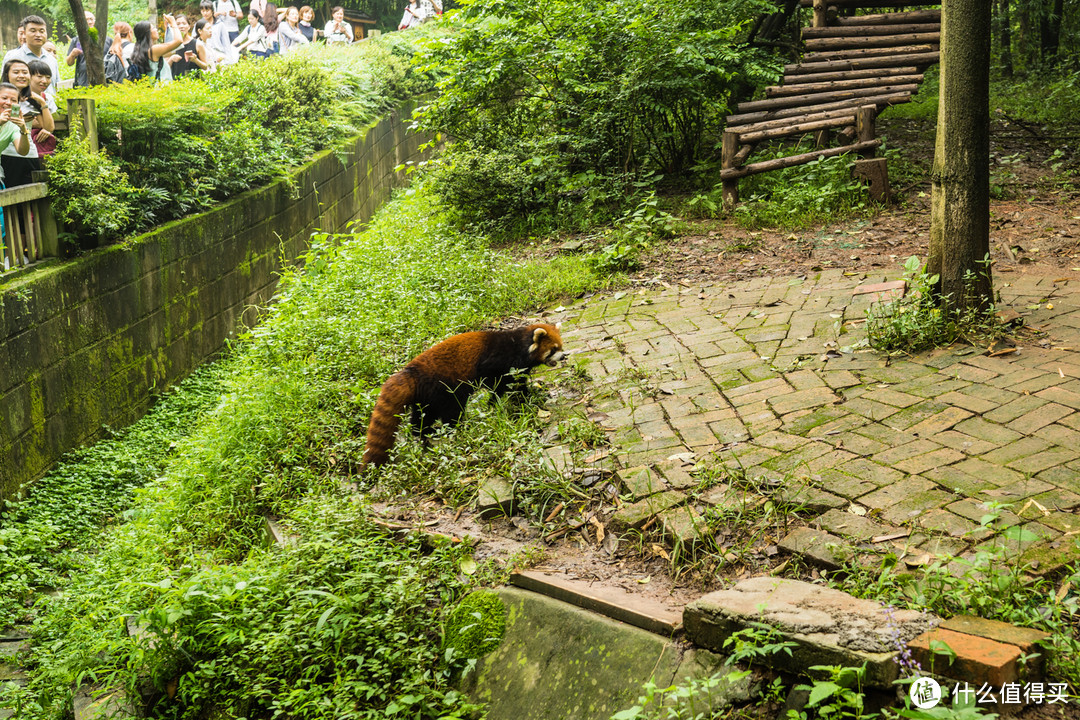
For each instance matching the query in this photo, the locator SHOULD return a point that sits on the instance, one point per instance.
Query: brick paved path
(760, 376)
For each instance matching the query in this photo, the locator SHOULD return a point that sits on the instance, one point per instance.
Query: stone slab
(607, 600)
(829, 627)
(560, 661)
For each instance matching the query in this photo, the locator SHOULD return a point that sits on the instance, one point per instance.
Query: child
(42, 105)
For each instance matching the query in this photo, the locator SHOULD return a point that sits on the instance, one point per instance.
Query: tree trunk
(1005, 37)
(92, 52)
(960, 200)
(153, 12)
(101, 17)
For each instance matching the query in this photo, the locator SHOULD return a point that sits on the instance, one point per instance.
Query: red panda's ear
(558, 326)
(538, 333)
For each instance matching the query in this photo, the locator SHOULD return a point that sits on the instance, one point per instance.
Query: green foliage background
(554, 108)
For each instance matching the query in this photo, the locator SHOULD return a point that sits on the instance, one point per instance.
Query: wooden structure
(855, 66)
(29, 228)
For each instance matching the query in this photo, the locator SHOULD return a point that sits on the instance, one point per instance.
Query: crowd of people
(31, 72)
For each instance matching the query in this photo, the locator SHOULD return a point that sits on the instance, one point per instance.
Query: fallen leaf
(468, 566)
(645, 579)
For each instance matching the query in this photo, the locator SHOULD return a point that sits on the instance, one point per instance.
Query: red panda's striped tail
(397, 393)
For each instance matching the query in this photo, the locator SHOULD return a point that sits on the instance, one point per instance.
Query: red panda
(438, 382)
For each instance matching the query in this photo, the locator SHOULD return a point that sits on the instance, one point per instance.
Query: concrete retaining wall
(87, 342)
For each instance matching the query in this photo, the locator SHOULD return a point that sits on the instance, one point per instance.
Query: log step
(793, 160)
(918, 60)
(821, 98)
(849, 75)
(819, 57)
(882, 41)
(880, 101)
(869, 3)
(798, 128)
(823, 87)
(856, 31)
(896, 18)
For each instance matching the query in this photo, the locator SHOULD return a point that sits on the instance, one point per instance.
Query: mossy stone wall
(86, 343)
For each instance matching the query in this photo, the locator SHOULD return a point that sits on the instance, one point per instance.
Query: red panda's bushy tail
(397, 393)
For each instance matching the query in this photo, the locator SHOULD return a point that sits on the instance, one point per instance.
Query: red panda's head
(546, 344)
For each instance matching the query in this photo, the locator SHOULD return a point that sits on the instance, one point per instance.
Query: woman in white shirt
(253, 38)
(337, 30)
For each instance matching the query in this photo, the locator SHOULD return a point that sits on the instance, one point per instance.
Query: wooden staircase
(855, 67)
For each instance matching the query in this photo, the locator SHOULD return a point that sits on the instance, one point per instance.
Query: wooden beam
(883, 41)
(919, 60)
(810, 58)
(785, 121)
(869, 3)
(825, 97)
(896, 18)
(880, 101)
(849, 75)
(793, 160)
(796, 129)
(816, 87)
(858, 31)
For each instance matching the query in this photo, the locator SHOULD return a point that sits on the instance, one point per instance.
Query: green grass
(345, 622)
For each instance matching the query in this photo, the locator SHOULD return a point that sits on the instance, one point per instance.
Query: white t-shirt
(231, 23)
(333, 36)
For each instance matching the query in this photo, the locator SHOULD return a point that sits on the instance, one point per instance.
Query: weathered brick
(803, 399)
(908, 450)
(973, 659)
(637, 514)
(640, 482)
(939, 422)
(870, 409)
(973, 403)
(930, 460)
(1016, 450)
(1040, 417)
(1043, 460)
(991, 432)
(820, 548)
(1012, 410)
(912, 416)
(858, 527)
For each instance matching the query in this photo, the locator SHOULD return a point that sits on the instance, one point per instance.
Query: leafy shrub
(90, 194)
(566, 93)
(917, 321)
(819, 191)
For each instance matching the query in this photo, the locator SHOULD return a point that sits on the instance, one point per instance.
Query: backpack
(134, 72)
(114, 69)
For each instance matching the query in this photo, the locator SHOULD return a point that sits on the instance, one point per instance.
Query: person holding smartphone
(19, 166)
(337, 30)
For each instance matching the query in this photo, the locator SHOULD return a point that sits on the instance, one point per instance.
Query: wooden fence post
(82, 118)
(821, 11)
(728, 150)
(864, 126)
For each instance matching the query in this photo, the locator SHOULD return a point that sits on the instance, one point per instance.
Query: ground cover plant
(173, 149)
(348, 606)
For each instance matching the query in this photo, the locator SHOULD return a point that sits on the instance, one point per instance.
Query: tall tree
(1005, 38)
(960, 200)
(91, 47)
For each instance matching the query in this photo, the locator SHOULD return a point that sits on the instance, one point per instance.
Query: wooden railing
(30, 232)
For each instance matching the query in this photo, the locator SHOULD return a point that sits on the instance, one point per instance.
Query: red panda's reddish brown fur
(437, 383)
